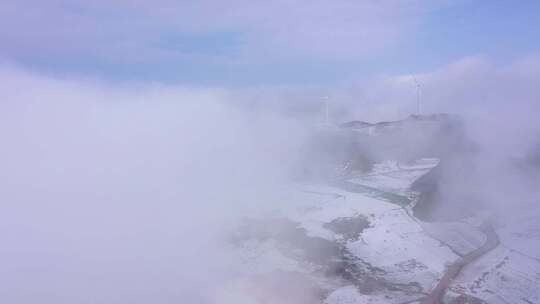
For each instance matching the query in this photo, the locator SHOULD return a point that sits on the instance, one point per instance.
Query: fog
(115, 195)
(499, 105)
(127, 192)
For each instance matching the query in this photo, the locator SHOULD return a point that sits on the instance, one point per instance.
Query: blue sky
(502, 30)
(253, 43)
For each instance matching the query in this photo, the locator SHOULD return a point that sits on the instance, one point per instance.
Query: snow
(511, 272)
(402, 248)
(395, 240)
(347, 295)
(265, 257)
(522, 233)
(351, 295)
(460, 236)
(392, 240)
(395, 177)
(501, 276)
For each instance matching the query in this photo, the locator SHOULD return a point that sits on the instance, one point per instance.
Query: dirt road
(492, 241)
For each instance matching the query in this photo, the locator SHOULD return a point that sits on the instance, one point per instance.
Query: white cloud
(267, 30)
(499, 101)
(105, 190)
(119, 195)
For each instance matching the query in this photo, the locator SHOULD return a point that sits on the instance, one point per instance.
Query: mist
(130, 192)
(498, 104)
(126, 194)
(269, 152)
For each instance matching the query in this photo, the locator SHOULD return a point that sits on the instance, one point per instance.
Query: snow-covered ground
(501, 276)
(511, 272)
(395, 177)
(352, 247)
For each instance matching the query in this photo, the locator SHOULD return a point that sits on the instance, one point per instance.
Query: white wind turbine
(326, 101)
(418, 95)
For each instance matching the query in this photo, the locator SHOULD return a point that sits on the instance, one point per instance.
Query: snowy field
(350, 247)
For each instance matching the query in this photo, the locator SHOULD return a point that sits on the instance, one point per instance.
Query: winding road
(492, 241)
(453, 270)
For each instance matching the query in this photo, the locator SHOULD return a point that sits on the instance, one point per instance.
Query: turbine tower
(326, 100)
(418, 92)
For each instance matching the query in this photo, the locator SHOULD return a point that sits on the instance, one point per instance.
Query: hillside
(361, 236)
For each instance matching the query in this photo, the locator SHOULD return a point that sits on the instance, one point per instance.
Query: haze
(136, 136)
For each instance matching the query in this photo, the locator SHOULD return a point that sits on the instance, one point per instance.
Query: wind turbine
(326, 100)
(418, 92)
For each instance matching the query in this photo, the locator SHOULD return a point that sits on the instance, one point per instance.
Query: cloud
(254, 31)
(125, 194)
(498, 100)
